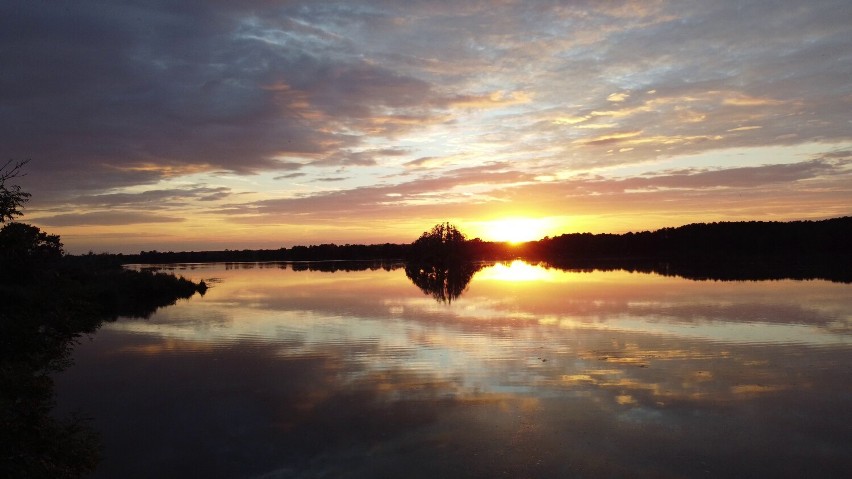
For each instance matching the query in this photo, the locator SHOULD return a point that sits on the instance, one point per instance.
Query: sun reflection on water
(518, 271)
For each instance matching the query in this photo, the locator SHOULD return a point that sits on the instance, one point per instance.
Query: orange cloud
(497, 99)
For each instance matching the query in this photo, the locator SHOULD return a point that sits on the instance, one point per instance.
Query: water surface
(531, 372)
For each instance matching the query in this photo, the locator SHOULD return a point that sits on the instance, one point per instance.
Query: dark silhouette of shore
(752, 250)
(48, 302)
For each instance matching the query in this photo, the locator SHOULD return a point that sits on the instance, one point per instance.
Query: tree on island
(444, 243)
(439, 263)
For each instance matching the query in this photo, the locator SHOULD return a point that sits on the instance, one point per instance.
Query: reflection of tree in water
(444, 282)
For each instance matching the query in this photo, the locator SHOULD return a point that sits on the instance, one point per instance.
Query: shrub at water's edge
(47, 302)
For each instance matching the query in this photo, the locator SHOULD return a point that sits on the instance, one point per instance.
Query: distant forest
(730, 241)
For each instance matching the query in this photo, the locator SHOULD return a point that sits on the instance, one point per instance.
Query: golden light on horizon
(515, 230)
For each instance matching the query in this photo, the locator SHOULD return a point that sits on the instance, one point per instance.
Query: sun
(515, 230)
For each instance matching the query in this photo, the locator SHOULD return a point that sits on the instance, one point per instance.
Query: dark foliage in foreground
(12, 198)
(48, 302)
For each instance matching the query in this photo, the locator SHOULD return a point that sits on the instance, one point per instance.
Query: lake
(284, 371)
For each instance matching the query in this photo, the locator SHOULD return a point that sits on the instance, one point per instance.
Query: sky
(199, 125)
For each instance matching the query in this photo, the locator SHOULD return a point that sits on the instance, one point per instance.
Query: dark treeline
(725, 250)
(322, 252)
(752, 250)
(727, 240)
(328, 266)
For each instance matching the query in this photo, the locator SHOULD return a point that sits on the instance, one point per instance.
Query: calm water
(531, 372)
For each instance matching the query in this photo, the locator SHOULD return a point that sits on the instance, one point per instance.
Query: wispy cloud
(106, 218)
(146, 106)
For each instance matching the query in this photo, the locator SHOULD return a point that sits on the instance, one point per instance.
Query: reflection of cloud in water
(481, 337)
(327, 413)
(614, 299)
(360, 375)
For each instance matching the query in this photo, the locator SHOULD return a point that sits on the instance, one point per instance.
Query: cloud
(692, 179)
(358, 158)
(497, 99)
(814, 188)
(155, 198)
(331, 179)
(175, 90)
(453, 187)
(437, 163)
(110, 100)
(289, 176)
(745, 177)
(610, 138)
(420, 162)
(106, 218)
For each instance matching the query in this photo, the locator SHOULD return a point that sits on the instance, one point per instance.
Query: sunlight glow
(516, 271)
(515, 230)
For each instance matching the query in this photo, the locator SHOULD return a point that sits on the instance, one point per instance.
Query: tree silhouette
(444, 243)
(445, 283)
(47, 301)
(11, 196)
(438, 263)
(24, 249)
